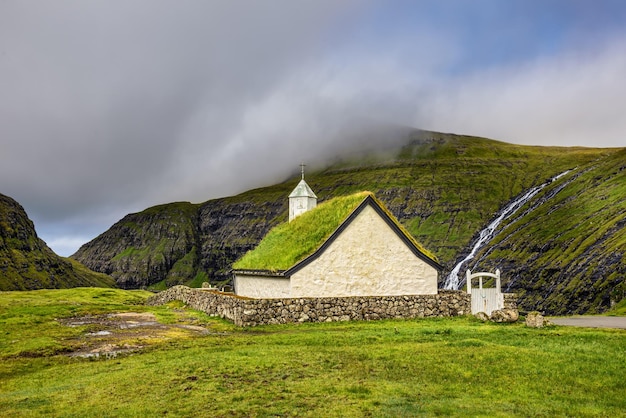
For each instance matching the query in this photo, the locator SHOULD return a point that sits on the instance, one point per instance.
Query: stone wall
(510, 301)
(250, 312)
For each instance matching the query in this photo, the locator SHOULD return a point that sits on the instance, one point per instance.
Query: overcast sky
(109, 107)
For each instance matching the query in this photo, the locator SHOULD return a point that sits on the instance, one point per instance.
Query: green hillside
(158, 244)
(571, 249)
(447, 187)
(442, 187)
(26, 262)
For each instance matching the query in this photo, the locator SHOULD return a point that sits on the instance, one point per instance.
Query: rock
(536, 320)
(482, 316)
(504, 315)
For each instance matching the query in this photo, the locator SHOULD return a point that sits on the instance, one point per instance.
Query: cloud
(574, 98)
(99, 98)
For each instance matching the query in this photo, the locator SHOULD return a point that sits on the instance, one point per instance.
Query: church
(346, 246)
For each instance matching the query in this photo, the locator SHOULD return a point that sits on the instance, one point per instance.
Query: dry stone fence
(250, 312)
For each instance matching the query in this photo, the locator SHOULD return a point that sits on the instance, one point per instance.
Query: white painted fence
(485, 300)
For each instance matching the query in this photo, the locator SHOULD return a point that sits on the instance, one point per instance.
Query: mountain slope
(443, 188)
(566, 252)
(26, 262)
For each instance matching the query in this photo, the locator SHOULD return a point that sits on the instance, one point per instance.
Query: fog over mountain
(108, 107)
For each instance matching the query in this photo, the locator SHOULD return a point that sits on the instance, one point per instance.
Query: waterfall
(452, 282)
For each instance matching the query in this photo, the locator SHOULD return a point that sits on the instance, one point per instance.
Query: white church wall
(367, 259)
(261, 286)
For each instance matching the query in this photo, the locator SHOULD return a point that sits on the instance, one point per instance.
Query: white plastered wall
(300, 205)
(366, 259)
(262, 287)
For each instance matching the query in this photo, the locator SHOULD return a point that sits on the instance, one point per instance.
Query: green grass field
(428, 367)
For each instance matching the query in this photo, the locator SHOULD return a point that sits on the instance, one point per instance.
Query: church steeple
(301, 199)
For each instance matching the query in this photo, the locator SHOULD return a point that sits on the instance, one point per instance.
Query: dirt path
(118, 333)
(592, 321)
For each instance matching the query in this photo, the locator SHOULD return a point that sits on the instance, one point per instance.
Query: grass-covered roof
(289, 243)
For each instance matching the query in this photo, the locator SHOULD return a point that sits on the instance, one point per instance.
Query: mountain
(565, 256)
(26, 262)
(567, 252)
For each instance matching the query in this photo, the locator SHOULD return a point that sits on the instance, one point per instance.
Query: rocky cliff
(444, 188)
(27, 263)
(180, 242)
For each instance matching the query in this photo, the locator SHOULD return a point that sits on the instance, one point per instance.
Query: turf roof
(289, 243)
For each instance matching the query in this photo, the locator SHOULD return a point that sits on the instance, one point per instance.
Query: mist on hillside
(107, 108)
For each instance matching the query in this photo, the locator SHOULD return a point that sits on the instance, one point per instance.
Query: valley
(563, 250)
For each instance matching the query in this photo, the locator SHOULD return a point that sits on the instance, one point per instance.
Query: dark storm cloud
(97, 96)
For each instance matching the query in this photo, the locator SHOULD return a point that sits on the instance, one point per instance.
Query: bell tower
(302, 199)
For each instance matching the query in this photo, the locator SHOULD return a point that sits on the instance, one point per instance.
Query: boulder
(504, 315)
(482, 316)
(536, 320)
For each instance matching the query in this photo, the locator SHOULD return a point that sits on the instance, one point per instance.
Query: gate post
(498, 285)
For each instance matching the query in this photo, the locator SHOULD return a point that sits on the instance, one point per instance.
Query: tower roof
(302, 190)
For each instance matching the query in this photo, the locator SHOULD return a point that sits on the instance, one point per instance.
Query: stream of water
(453, 281)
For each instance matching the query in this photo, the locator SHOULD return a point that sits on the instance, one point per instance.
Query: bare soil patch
(119, 333)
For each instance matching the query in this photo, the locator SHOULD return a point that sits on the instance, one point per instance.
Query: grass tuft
(291, 242)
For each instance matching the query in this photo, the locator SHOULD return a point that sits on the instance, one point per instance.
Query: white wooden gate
(485, 300)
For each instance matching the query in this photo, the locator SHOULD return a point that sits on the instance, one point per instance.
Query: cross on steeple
(302, 169)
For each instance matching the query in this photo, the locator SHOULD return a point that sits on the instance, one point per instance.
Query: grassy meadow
(427, 367)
